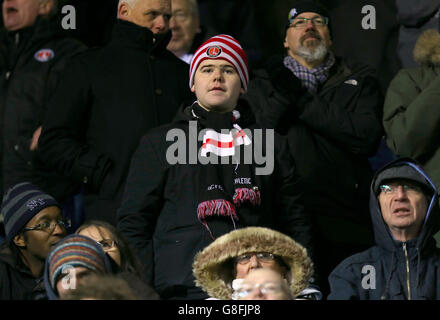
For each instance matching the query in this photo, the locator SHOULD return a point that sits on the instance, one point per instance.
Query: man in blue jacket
(404, 263)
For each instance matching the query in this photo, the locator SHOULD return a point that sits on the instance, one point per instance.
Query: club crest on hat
(213, 51)
(44, 55)
(35, 203)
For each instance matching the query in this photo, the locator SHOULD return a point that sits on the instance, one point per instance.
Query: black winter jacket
(108, 99)
(331, 134)
(393, 270)
(158, 215)
(16, 280)
(34, 58)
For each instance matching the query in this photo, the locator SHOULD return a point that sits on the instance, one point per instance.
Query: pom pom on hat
(222, 47)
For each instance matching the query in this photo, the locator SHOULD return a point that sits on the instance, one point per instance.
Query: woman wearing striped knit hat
(207, 173)
(72, 259)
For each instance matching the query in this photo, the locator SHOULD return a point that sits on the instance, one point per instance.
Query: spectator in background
(263, 284)
(411, 116)
(220, 268)
(185, 26)
(70, 262)
(35, 53)
(404, 264)
(33, 225)
(117, 248)
(108, 99)
(414, 18)
(330, 112)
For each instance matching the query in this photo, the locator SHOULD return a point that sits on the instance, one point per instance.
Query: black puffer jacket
(34, 58)
(158, 215)
(108, 99)
(331, 134)
(392, 269)
(16, 280)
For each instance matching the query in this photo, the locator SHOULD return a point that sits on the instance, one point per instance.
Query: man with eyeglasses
(405, 263)
(220, 268)
(33, 225)
(185, 27)
(329, 110)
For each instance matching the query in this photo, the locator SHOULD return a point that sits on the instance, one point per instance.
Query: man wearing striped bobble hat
(207, 173)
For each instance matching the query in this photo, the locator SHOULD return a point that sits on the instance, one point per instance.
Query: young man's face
(311, 40)
(39, 242)
(18, 14)
(152, 14)
(184, 25)
(403, 210)
(217, 85)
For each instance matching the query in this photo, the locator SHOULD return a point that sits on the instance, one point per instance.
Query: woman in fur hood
(231, 256)
(412, 107)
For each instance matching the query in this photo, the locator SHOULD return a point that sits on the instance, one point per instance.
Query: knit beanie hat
(20, 204)
(76, 251)
(222, 47)
(307, 6)
(402, 171)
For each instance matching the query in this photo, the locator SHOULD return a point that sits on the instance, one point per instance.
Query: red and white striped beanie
(223, 47)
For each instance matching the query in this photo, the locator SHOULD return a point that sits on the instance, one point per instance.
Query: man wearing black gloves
(107, 100)
(330, 112)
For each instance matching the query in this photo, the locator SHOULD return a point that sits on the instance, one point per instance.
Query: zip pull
(17, 38)
(407, 270)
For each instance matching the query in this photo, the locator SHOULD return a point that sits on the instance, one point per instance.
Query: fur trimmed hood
(213, 267)
(427, 48)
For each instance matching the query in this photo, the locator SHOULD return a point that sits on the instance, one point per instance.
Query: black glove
(283, 80)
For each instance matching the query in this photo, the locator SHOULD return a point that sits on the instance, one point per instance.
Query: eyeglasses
(261, 256)
(267, 288)
(392, 188)
(107, 244)
(302, 22)
(50, 227)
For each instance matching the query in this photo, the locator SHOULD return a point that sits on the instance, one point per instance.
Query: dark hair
(129, 262)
